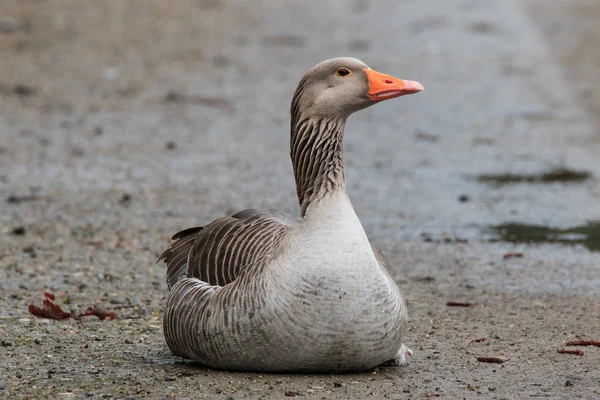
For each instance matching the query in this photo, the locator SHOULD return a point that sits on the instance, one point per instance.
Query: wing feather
(219, 251)
(380, 258)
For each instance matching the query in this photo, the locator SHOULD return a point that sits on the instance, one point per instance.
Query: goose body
(260, 291)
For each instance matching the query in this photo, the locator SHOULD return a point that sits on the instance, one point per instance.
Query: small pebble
(116, 300)
(18, 231)
(126, 199)
(9, 24)
(143, 312)
(24, 321)
(24, 90)
(29, 272)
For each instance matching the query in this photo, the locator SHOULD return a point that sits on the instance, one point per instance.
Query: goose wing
(380, 258)
(218, 252)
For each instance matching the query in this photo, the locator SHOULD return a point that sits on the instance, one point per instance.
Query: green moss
(555, 175)
(587, 235)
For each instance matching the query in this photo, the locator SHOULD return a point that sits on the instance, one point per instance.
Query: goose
(265, 292)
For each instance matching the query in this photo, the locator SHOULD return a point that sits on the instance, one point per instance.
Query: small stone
(463, 198)
(106, 395)
(116, 300)
(19, 375)
(171, 145)
(126, 199)
(143, 312)
(24, 90)
(2, 385)
(483, 27)
(492, 388)
(111, 73)
(18, 231)
(24, 321)
(427, 238)
(77, 151)
(337, 384)
(6, 343)
(29, 272)
(568, 383)
(10, 24)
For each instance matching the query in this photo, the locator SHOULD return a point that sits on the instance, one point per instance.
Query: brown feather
(219, 251)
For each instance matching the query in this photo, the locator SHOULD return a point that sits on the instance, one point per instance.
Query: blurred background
(122, 122)
(194, 94)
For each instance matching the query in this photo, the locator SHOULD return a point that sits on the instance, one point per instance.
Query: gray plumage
(262, 291)
(218, 252)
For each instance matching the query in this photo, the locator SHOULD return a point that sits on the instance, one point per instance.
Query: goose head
(342, 86)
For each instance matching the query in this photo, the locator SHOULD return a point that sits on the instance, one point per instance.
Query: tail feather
(177, 254)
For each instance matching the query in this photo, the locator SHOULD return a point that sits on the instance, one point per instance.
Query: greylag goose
(260, 291)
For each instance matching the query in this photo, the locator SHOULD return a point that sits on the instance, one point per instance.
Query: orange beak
(383, 87)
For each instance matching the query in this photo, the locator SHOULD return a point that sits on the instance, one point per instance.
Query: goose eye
(343, 72)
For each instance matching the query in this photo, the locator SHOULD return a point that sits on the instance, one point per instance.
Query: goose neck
(317, 158)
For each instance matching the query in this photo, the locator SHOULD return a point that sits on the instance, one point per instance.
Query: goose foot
(400, 359)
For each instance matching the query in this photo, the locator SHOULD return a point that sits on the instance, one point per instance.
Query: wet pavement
(113, 140)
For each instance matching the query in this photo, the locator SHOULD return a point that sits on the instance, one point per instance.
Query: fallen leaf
(49, 310)
(458, 304)
(574, 352)
(494, 360)
(98, 312)
(479, 340)
(584, 343)
(513, 255)
(53, 311)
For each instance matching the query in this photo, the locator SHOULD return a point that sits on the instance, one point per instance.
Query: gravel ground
(124, 122)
